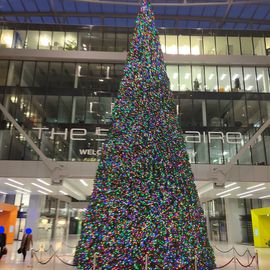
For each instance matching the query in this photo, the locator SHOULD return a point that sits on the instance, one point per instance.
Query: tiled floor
(13, 261)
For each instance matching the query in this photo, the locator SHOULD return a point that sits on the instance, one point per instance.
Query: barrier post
(54, 261)
(234, 258)
(146, 262)
(257, 260)
(95, 261)
(247, 255)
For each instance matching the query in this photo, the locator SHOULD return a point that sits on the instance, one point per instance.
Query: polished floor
(14, 261)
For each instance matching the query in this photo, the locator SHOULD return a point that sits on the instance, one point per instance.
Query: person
(237, 84)
(196, 85)
(27, 241)
(2, 242)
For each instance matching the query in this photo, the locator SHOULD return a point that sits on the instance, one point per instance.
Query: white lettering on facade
(60, 133)
(40, 129)
(76, 134)
(215, 135)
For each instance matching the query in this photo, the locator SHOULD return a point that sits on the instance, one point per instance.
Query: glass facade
(187, 42)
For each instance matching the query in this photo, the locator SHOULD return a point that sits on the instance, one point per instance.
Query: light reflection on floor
(13, 261)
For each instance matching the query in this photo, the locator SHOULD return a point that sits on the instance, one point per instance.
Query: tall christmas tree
(144, 199)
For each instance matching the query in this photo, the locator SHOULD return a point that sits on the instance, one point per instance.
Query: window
(58, 41)
(84, 41)
(250, 79)
(163, 43)
(209, 45)
(171, 44)
(222, 47)
(32, 39)
(51, 109)
(259, 46)
(263, 80)
(109, 42)
(198, 78)
(81, 80)
(184, 44)
(28, 72)
(172, 72)
(237, 79)
(213, 119)
(96, 41)
(246, 44)
(68, 75)
(199, 112)
(45, 40)
(14, 73)
(211, 79)
(6, 38)
(3, 72)
(234, 46)
(196, 45)
(267, 42)
(240, 113)
(121, 42)
(226, 113)
(224, 79)
(71, 41)
(185, 78)
(64, 110)
(186, 111)
(41, 74)
(55, 73)
(19, 39)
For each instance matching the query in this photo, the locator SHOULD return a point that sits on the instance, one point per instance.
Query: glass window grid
(171, 42)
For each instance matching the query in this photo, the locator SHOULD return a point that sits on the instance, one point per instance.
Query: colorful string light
(144, 199)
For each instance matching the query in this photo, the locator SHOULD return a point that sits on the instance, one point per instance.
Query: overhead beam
(185, 3)
(131, 15)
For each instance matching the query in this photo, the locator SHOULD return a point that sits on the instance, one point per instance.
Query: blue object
(28, 231)
(2, 229)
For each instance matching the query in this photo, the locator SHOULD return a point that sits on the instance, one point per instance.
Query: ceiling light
(223, 76)
(36, 185)
(40, 191)
(211, 76)
(247, 77)
(17, 187)
(235, 76)
(256, 186)
(101, 80)
(223, 196)
(259, 77)
(2, 192)
(264, 197)
(229, 185)
(63, 192)
(16, 182)
(175, 76)
(19, 191)
(227, 191)
(246, 196)
(43, 182)
(254, 190)
(84, 183)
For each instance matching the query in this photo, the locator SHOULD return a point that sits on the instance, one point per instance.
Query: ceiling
(190, 14)
(81, 188)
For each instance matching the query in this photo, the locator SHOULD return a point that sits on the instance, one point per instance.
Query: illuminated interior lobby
(61, 64)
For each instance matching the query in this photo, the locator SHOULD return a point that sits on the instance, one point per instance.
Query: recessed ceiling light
(2, 192)
(248, 195)
(43, 182)
(254, 190)
(16, 182)
(264, 197)
(223, 196)
(63, 192)
(227, 191)
(46, 189)
(83, 182)
(229, 185)
(42, 192)
(11, 185)
(256, 186)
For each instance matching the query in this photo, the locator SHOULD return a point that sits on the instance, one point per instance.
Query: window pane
(234, 45)
(258, 154)
(185, 78)
(246, 44)
(201, 152)
(199, 113)
(224, 79)
(3, 72)
(71, 41)
(211, 79)
(253, 110)
(213, 119)
(186, 111)
(171, 44)
(51, 109)
(240, 114)
(259, 46)
(81, 75)
(267, 42)
(121, 42)
(64, 111)
(96, 41)
(55, 72)
(84, 41)
(226, 113)
(41, 74)
(237, 79)
(209, 45)
(196, 45)
(265, 110)
(184, 44)
(172, 72)
(28, 72)
(45, 40)
(198, 78)
(263, 79)
(222, 48)
(19, 39)
(32, 39)
(58, 41)
(6, 38)
(216, 151)
(250, 79)
(68, 75)
(92, 105)
(162, 43)
(37, 108)
(14, 73)
(109, 42)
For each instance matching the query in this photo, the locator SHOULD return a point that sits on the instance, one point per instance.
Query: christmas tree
(144, 199)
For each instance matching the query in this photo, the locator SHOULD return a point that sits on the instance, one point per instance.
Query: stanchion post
(146, 262)
(234, 258)
(257, 260)
(95, 261)
(248, 255)
(54, 261)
